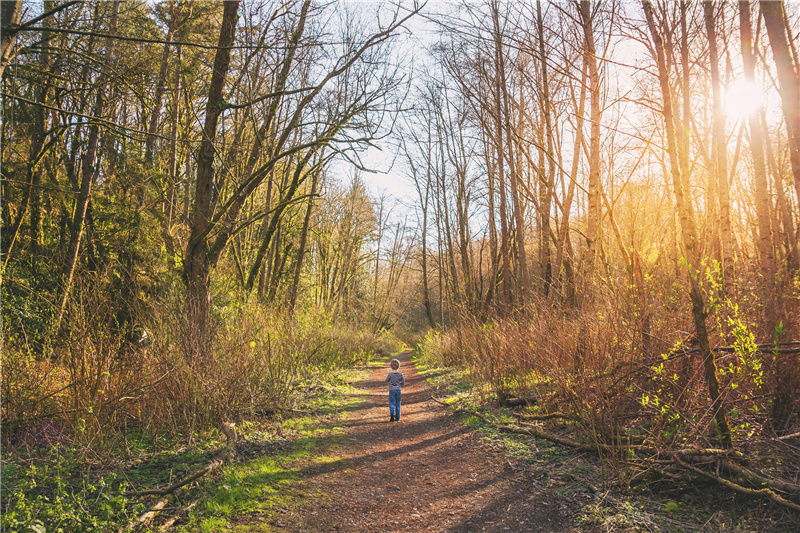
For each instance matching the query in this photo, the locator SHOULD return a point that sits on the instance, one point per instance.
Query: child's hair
(395, 364)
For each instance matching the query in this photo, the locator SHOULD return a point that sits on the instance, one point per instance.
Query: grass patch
(267, 485)
(70, 488)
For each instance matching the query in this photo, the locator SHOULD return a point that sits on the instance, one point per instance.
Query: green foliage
(51, 497)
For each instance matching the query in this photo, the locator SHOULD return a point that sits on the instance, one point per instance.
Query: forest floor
(427, 472)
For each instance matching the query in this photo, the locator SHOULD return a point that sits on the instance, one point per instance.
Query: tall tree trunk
(510, 152)
(788, 77)
(500, 182)
(689, 235)
(426, 295)
(197, 268)
(161, 85)
(720, 157)
(790, 243)
(763, 202)
(89, 169)
(563, 241)
(593, 212)
(491, 215)
(546, 182)
(683, 139)
(173, 149)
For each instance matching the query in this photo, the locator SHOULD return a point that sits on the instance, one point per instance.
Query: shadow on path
(427, 472)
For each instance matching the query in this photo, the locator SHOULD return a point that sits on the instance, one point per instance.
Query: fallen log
(518, 402)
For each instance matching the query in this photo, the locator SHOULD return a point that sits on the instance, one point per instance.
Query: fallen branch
(726, 458)
(759, 480)
(551, 416)
(149, 515)
(171, 522)
(764, 493)
(531, 431)
(518, 402)
(213, 465)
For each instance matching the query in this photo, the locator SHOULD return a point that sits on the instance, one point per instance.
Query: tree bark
(510, 152)
(788, 77)
(720, 157)
(196, 268)
(89, 169)
(689, 236)
(161, 85)
(11, 15)
(596, 112)
(546, 181)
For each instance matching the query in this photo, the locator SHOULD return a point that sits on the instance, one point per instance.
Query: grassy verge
(600, 491)
(71, 489)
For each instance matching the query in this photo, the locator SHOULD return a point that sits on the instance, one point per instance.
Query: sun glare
(743, 98)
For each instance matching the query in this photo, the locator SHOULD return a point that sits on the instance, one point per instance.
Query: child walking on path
(395, 380)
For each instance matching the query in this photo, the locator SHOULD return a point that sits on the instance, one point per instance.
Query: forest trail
(427, 472)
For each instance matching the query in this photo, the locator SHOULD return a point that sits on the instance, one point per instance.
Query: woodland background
(603, 219)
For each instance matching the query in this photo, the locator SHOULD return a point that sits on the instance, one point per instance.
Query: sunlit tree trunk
(789, 242)
(500, 182)
(510, 151)
(161, 85)
(689, 236)
(172, 166)
(563, 243)
(596, 113)
(763, 203)
(546, 179)
(301, 250)
(197, 265)
(788, 77)
(720, 151)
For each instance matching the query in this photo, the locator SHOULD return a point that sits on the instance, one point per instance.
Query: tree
(688, 234)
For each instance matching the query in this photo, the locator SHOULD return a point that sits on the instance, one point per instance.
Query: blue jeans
(394, 404)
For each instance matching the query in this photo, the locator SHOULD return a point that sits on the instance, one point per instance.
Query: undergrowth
(600, 489)
(71, 486)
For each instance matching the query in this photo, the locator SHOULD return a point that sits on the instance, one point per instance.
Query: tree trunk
(510, 152)
(11, 15)
(788, 77)
(196, 268)
(593, 212)
(172, 192)
(563, 241)
(89, 169)
(161, 85)
(546, 181)
(763, 202)
(689, 235)
(720, 157)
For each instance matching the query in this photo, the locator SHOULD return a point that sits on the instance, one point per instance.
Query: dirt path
(425, 473)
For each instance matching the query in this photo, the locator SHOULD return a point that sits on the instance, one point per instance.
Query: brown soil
(427, 472)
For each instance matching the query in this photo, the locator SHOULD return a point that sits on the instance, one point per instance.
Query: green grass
(263, 486)
(60, 490)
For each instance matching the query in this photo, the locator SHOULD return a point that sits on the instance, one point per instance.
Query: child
(395, 380)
